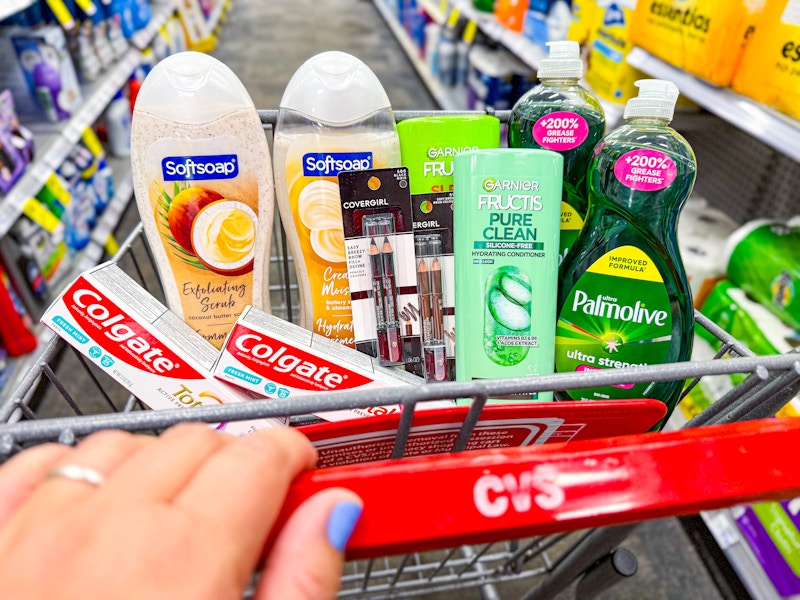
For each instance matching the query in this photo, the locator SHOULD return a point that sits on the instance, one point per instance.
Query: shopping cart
(441, 523)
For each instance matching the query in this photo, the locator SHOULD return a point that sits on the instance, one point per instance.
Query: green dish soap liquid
(624, 299)
(561, 115)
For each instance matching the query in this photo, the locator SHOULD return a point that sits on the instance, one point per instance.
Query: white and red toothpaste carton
(277, 359)
(149, 350)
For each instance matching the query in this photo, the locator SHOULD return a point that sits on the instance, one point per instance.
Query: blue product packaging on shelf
(45, 61)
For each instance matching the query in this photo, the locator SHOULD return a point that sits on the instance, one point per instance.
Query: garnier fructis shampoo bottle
(334, 117)
(624, 299)
(203, 184)
(507, 204)
(559, 114)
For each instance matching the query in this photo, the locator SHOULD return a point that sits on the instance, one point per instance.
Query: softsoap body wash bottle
(334, 117)
(204, 189)
(506, 224)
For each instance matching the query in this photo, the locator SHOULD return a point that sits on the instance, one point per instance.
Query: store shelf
(55, 145)
(11, 7)
(87, 258)
(528, 52)
(762, 122)
(161, 12)
(726, 532)
(448, 98)
(102, 232)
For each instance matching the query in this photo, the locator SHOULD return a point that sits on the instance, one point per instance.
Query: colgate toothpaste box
(149, 350)
(277, 359)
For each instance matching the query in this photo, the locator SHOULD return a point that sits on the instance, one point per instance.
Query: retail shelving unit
(762, 122)
(448, 98)
(782, 134)
(54, 142)
(523, 48)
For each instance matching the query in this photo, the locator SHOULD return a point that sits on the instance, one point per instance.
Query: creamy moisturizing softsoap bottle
(334, 117)
(203, 184)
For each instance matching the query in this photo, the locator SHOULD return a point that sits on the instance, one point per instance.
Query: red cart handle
(424, 503)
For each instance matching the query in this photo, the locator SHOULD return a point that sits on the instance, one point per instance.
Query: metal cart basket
(611, 483)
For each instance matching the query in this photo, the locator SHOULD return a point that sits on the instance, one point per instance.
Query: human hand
(184, 515)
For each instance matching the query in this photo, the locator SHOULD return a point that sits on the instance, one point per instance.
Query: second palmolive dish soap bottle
(334, 116)
(560, 115)
(624, 298)
(200, 163)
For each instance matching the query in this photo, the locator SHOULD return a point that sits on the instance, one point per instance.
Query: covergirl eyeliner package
(381, 268)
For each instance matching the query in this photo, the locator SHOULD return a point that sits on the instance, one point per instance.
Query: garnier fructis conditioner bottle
(624, 298)
(204, 189)
(334, 117)
(505, 224)
(559, 114)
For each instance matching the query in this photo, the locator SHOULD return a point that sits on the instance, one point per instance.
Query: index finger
(240, 489)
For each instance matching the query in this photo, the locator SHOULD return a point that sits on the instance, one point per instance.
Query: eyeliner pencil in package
(381, 269)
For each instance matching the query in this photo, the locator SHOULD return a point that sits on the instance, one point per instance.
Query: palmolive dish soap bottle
(560, 115)
(200, 163)
(624, 298)
(334, 116)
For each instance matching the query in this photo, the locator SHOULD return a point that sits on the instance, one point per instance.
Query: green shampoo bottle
(561, 115)
(505, 226)
(624, 299)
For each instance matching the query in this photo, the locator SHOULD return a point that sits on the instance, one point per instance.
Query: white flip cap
(564, 61)
(657, 98)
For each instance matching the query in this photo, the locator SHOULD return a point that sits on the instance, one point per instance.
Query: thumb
(306, 560)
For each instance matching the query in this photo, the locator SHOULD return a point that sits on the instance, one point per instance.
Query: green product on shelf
(561, 115)
(763, 258)
(624, 299)
(484, 5)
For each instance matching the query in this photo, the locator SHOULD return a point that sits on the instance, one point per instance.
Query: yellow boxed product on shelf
(770, 68)
(585, 14)
(609, 75)
(704, 37)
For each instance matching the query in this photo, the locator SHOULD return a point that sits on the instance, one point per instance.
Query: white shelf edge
(726, 532)
(52, 156)
(523, 48)
(762, 122)
(11, 7)
(447, 98)
(161, 12)
(216, 15)
(433, 11)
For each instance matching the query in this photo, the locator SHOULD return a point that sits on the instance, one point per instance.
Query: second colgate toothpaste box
(149, 350)
(277, 359)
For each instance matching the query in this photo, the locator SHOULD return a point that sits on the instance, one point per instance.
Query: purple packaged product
(13, 153)
(772, 529)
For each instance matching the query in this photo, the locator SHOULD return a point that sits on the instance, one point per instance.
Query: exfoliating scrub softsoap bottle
(203, 184)
(560, 115)
(334, 117)
(507, 204)
(624, 299)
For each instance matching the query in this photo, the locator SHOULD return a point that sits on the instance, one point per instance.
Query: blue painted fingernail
(341, 522)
